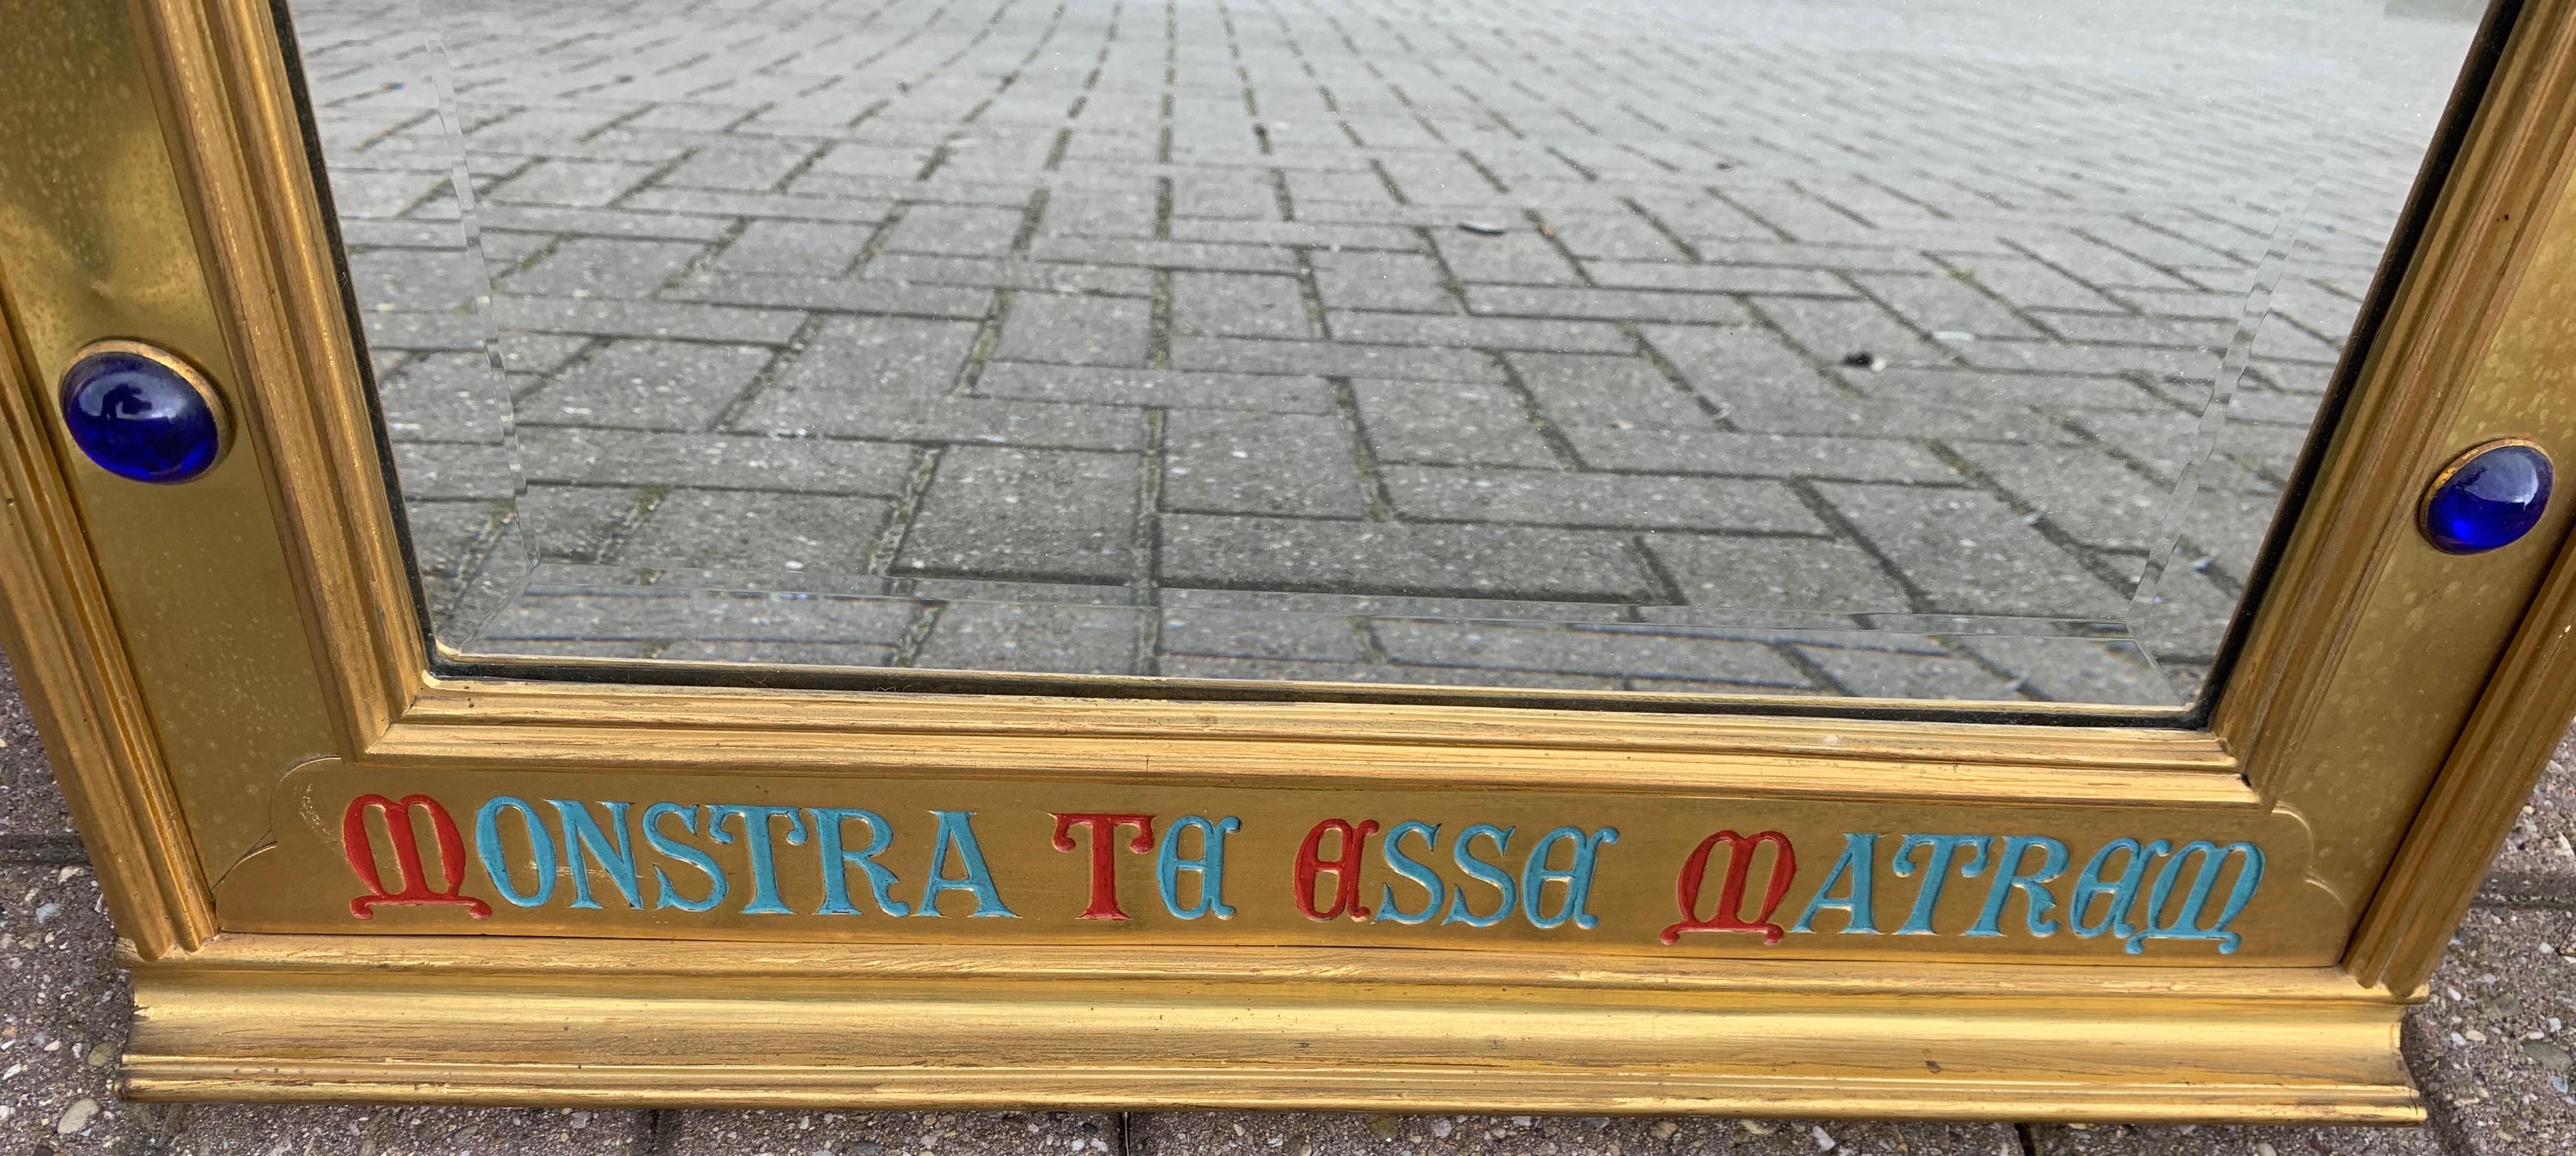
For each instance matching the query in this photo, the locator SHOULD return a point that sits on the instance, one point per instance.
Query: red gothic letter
(1730, 894)
(1345, 868)
(1104, 869)
(361, 851)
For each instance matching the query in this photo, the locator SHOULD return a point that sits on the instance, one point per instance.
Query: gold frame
(2389, 708)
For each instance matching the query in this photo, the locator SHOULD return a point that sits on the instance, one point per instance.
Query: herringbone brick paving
(1928, 349)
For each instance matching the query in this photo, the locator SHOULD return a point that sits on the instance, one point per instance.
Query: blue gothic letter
(1577, 876)
(541, 849)
(1860, 858)
(1412, 869)
(1936, 874)
(2009, 877)
(582, 833)
(837, 862)
(957, 828)
(2186, 923)
(2123, 893)
(665, 895)
(756, 840)
(1465, 857)
(1210, 866)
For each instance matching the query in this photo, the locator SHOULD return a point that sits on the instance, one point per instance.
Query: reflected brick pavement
(1279, 339)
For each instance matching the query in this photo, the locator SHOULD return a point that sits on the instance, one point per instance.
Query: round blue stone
(139, 419)
(2491, 499)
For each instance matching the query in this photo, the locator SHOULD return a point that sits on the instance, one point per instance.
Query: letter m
(359, 844)
(1729, 915)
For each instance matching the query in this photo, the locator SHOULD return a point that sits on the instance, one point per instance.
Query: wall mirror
(1212, 552)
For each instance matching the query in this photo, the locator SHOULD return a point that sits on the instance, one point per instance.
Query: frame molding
(1112, 1028)
(85, 702)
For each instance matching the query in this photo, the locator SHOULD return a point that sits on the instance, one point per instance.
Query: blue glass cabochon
(138, 418)
(2490, 500)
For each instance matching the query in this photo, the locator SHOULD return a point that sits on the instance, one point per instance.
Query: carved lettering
(1209, 866)
(416, 891)
(1344, 867)
(1104, 864)
(2185, 921)
(1729, 915)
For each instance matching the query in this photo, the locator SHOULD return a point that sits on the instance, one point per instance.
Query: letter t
(1104, 866)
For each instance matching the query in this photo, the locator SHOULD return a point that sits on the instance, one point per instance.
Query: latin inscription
(1395, 874)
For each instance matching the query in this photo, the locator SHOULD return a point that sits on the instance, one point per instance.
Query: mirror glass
(1914, 349)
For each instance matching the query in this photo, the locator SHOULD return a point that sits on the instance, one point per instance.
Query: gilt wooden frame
(2389, 707)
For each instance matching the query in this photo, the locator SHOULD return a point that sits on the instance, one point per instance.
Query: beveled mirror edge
(453, 668)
